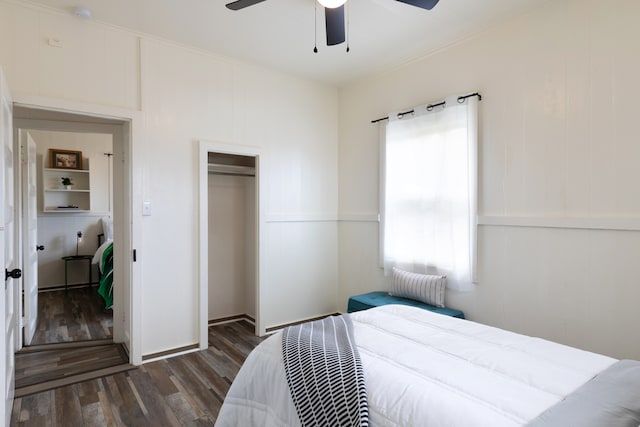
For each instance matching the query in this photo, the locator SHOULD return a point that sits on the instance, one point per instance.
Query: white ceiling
(280, 33)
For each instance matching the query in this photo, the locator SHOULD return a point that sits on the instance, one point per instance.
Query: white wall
(558, 144)
(189, 96)
(96, 63)
(185, 95)
(57, 231)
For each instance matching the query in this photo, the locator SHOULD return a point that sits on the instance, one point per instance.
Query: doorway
(240, 282)
(73, 226)
(232, 206)
(77, 231)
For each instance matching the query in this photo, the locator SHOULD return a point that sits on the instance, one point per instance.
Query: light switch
(146, 208)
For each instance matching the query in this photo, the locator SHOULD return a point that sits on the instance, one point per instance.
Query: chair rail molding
(585, 223)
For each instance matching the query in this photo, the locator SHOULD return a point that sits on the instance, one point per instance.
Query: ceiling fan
(334, 14)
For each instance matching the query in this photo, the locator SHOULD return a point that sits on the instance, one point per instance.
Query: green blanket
(105, 289)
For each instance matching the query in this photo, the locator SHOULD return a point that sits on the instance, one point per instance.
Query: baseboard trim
(62, 287)
(170, 353)
(278, 327)
(229, 319)
(65, 345)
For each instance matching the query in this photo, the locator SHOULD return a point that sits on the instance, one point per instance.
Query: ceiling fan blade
(241, 4)
(424, 4)
(334, 22)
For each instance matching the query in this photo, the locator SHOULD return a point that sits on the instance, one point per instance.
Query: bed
(426, 369)
(103, 257)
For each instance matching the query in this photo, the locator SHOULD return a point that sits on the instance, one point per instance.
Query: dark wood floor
(43, 364)
(72, 343)
(182, 391)
(75, 315)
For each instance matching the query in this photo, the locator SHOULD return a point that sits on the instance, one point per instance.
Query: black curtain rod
(430, 106)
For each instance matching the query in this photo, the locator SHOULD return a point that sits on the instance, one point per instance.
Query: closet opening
(232, 237)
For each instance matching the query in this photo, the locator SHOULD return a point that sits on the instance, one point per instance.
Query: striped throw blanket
(324, 373)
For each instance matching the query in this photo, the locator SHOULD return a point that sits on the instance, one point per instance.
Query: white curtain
(429, 212)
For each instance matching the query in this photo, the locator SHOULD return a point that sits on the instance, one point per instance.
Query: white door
(7, 251)
(30, 236)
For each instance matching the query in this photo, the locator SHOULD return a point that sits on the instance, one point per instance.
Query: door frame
(7, 299)
(204, 148)
(125, 129)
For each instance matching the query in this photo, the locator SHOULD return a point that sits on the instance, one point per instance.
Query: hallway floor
(75, 315)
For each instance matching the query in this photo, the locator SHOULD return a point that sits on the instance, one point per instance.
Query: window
(429, 212)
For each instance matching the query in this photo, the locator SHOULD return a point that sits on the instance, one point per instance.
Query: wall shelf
(56, 198)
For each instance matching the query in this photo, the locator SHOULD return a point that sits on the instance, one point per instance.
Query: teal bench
(376, 299)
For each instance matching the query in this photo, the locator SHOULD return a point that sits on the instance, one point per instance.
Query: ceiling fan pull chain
(348, 10)
(315, 26)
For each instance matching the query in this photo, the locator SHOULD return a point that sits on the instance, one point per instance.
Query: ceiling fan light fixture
(332, 4)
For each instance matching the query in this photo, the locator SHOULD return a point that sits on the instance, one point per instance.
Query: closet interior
(232, 236)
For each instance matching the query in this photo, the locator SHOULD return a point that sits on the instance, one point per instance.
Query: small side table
(66, 259)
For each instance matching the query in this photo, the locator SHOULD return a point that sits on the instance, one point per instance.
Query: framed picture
(65, 159)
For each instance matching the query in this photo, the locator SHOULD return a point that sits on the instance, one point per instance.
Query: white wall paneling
(559, 204)
(181, 95)
(303, 260)
(187, 95)
(93, 63)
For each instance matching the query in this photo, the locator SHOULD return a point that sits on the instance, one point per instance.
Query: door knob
(16, 273)
(39, 247)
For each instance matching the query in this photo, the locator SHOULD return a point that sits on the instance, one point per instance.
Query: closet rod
(232, 174)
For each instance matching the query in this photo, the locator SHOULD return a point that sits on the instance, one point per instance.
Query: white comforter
(97, 257)
(426, 369)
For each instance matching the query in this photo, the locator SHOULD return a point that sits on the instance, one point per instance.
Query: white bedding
(423, 368)
(107, 231)
(97, 257)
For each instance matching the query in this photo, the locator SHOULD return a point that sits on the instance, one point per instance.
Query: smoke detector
(83, 13)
